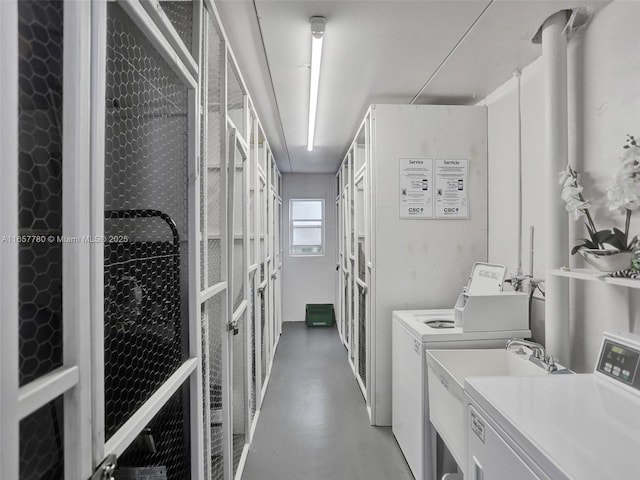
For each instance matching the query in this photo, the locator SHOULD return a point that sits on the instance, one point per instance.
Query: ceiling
(375, 51)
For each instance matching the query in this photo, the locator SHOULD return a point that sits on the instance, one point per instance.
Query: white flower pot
(606, 260)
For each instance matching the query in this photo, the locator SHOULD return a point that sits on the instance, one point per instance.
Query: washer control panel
(619, 359)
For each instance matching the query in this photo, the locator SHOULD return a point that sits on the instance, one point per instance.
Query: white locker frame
(262, 288)
(339, 273)
(220, 288)
(73, 378)
(81, 377)
(163, 36)
(9, 384)
(237, 145)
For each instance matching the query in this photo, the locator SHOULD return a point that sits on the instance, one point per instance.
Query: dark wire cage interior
(212, 315)
(40, 67)
(362, 335)
(163, 445)
(142, 317)
(40, 27)
(146, 220)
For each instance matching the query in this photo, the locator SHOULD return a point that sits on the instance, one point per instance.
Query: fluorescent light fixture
(317, 34)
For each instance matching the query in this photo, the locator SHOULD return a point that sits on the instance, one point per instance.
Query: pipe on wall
(554, 58)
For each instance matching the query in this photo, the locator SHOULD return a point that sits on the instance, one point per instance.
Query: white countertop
(576, 427)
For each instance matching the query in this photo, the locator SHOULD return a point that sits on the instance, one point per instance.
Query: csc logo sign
(415, 210)
(450, 210)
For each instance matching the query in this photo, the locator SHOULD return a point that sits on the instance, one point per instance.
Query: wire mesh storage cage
(145, 285)
(115, 340)
(162, 450)
(40, 282)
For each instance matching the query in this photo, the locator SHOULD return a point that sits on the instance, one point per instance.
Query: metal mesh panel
(40, 187)
(214, 245)
(180, 14)
(262, 158)
(263, 228)
(362, 335)
(206, 390)
(353, 327)
(345, 309)
(146, 153)
(239, 392)
(212, 157)
(235, 101)
(239, 266)
(253, 195)
(252, 349)
(164, 442)
(42, 443)
(216, 331)
(360, 227)
(238, 274)
(252, 228)
(359, 152)
(263, 336)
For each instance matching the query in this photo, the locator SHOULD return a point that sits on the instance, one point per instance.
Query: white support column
(554, 55)
(76, 222)
(9, 420)
(98, 89)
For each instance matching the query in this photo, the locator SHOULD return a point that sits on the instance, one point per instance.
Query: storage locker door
(361, 279)
(148, 406)
(45, 368)
(264, 274)
(238, 281)
(214, 255)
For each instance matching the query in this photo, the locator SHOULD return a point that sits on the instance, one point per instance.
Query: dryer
(413, 333)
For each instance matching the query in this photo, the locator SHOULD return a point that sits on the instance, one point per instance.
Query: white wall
(604, 105)
(308, 279)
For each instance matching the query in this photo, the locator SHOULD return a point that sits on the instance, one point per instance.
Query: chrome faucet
(537, 356)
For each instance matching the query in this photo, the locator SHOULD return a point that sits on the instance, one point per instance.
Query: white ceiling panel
(375, 51)
(498, 45)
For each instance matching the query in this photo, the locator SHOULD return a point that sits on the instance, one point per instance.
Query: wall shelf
(590, 274)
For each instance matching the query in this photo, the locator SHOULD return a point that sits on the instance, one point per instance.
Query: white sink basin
(460, 364)
(446, 374)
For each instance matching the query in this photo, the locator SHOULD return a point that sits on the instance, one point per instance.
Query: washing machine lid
(571, 426)
(429, 326)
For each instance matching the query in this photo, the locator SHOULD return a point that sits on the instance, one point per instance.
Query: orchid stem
(627, 223)
(590, 224)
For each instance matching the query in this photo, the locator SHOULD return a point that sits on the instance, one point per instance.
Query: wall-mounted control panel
(619, 359)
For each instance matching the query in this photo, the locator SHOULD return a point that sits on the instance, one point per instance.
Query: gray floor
(314, 423)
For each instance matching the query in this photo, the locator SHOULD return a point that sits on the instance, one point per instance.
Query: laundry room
(319, 239)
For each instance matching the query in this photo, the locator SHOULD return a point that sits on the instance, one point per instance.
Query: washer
(413, 333)
(559, 427)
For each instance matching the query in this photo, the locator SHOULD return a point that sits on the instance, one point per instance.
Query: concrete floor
(314, 422)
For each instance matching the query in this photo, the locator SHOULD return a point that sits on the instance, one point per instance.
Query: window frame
(292, 228)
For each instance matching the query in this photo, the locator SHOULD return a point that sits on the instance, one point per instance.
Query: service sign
(451, 188)
(416, 187)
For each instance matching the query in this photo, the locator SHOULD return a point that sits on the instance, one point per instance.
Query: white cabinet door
(489, 457)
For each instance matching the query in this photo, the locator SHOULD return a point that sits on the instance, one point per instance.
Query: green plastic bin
(319, 315)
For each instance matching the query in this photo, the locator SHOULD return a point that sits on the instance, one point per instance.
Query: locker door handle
(233, 327)
(478, 471)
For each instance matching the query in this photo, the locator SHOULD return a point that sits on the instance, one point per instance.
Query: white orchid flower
(572, 194)
(624, 191)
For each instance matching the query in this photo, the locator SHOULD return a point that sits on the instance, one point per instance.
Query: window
(306, 232)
